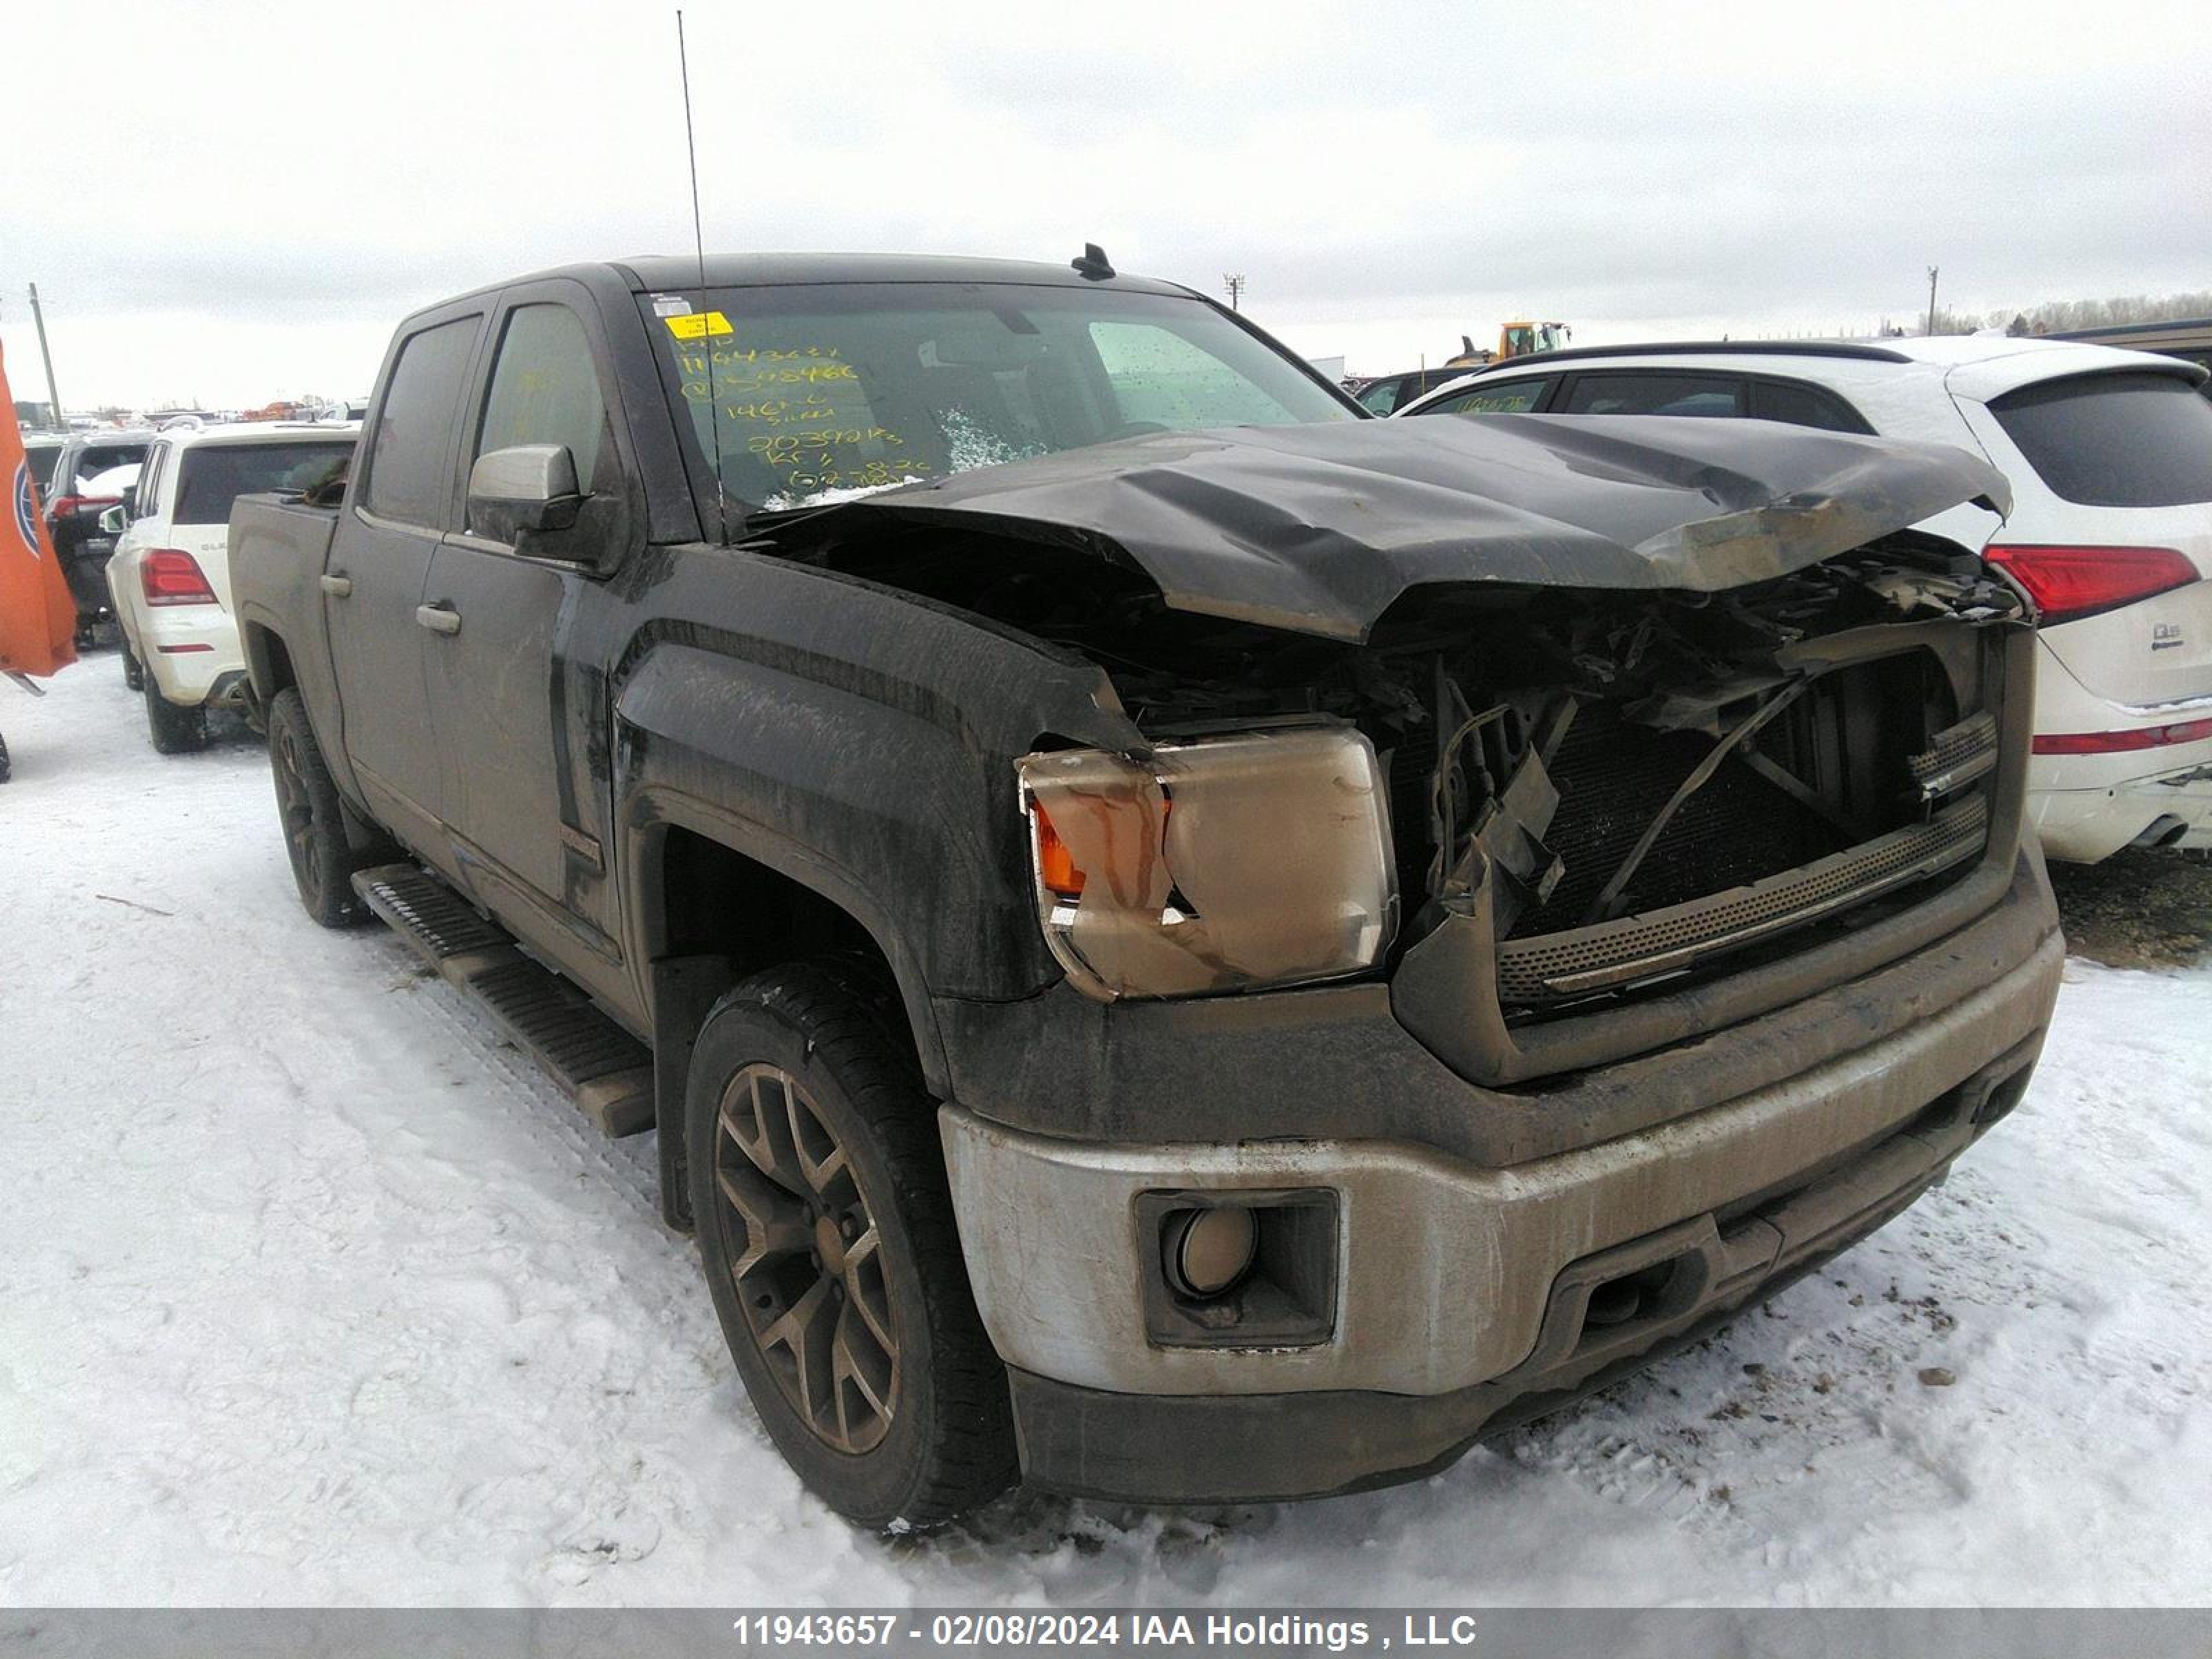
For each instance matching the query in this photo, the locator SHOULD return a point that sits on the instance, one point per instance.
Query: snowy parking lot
(311, 1292)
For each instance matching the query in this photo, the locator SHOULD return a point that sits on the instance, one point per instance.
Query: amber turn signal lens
(1055, 864)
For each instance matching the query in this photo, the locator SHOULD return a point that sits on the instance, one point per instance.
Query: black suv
(73, 517)
(42, 450)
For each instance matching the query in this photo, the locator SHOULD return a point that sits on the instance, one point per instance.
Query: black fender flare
(653, 807)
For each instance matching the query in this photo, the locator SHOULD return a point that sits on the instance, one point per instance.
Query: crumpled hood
(1320, 528)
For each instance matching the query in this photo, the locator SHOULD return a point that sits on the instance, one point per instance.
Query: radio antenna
(699, 249)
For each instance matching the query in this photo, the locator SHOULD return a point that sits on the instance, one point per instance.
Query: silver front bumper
(1446, 1269)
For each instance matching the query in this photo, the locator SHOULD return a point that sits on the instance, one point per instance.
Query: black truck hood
(1321, 528)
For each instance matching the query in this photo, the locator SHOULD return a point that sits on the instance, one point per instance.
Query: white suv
(2109, 454)
(170, 575)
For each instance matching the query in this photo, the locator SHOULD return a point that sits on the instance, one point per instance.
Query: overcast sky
(231, 203)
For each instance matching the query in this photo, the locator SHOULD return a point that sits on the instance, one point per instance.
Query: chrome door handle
(438, 618)
(338, 586)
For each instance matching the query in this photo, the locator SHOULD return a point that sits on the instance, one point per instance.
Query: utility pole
(1235, 284)
(1931, 298)
(53, 397)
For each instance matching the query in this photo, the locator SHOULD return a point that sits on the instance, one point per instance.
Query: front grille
(1957, 755)
(1583, 960)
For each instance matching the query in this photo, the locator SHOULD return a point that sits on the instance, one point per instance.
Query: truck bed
(278, 548)
(273, 539)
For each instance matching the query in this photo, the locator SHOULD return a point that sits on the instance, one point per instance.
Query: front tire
(828, 1239)
(323, 857)
(175, 730)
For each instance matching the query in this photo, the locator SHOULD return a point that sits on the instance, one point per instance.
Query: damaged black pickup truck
(1180, 942)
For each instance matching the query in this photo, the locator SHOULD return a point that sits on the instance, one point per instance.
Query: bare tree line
(2064, 316)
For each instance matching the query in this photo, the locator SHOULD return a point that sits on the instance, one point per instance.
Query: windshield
(811, 394)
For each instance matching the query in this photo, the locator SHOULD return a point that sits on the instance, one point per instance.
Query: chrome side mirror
(115, 521)
(524, 487)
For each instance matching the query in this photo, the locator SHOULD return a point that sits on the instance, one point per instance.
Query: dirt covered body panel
(278, 552)
(855, 739)
(1321, 529)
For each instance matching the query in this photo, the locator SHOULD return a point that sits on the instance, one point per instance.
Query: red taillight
(2112, 743)
(2069, 583)
(78, 503)
(169, 575)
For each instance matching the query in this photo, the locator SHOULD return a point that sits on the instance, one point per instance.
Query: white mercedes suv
(2109, 454)
(170, 575)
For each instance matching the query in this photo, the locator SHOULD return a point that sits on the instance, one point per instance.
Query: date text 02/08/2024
(994, 1629)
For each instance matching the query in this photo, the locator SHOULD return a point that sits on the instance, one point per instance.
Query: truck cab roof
(673, 273)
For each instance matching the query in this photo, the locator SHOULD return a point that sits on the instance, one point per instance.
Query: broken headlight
(1256, 859)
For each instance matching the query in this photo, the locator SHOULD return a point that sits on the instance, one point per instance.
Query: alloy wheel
(295, 808)
(807, 1258)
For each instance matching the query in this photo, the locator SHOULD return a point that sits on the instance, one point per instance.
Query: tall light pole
(1931, 298)
(1235, 284)
(53, 397)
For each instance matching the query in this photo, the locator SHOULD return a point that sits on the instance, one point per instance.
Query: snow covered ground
(311, 1293)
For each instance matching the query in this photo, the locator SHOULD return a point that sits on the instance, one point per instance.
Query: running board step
(604, 1069)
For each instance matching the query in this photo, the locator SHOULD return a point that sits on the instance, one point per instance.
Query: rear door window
(1498, 397)
(544, 389)
(410, 457)
(146, 499)
(1799, 404)
(2122, 439)
(1654, 394)
(213, 476)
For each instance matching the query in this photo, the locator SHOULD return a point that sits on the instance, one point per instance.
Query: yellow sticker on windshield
(698, 325)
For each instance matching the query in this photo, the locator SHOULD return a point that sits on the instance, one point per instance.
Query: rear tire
(323, 857)
(134, 676)
(175, 731)
(828, 1239)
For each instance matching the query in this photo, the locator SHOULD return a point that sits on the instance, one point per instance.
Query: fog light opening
(1207, 1252)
